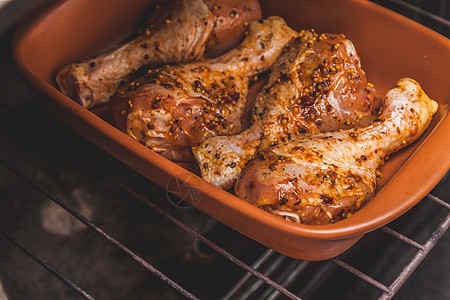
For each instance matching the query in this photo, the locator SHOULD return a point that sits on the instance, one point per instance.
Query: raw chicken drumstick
(317, 85)
(177, 31)
(329, 176)
(174, 108)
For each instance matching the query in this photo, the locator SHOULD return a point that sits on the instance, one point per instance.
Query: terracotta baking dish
(390, 46)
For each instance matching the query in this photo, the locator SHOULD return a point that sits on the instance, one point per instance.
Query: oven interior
(75, 222)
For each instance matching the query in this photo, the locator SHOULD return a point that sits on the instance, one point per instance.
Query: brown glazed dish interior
(390, 47)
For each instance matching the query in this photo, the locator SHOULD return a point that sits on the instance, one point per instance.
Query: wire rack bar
(438, 201)
(418, 10)
(116, 243)
(259, 261)
(198, 236)
(277, 261)
(417, 259)
(291, 273)
(423, 250)
(402, 237)
(361, 275)
(47, 266)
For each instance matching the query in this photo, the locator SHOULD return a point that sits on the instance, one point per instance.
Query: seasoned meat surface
(177, 31)
(173, 108)
(329, 176)
(317, 85)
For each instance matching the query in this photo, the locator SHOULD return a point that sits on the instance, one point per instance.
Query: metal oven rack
(40, 161)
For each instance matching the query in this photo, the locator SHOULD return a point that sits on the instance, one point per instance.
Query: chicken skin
(173, 108)
(316, 85)
(327, 177)
(177, 31)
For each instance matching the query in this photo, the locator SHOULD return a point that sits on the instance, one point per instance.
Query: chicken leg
(174, 108)
(317, 85)
(177, 31)
(329, 176)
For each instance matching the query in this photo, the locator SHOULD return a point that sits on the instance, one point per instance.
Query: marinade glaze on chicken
(327, 177)
(175, 107)
(177, 31)
(316, 85)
